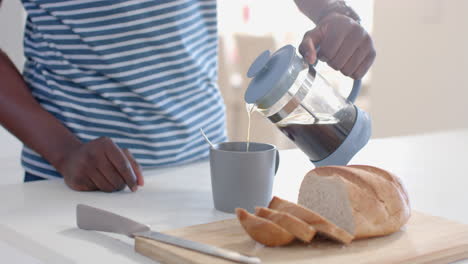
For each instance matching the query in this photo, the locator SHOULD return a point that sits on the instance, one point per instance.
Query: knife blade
(91, 218)
(199, 247)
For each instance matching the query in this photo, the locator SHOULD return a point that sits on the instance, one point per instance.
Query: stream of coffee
(250, 109)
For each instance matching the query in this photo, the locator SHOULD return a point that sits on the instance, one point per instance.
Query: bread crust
(292, 224)
(263, 230)
(388, 176)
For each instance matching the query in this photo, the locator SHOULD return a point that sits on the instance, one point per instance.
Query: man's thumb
(311, 43)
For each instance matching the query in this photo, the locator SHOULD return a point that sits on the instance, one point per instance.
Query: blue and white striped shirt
(142, 72)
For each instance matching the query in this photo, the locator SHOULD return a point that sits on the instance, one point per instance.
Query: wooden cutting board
(425, 239)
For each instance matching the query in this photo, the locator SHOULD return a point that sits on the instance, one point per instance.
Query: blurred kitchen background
(418, 84)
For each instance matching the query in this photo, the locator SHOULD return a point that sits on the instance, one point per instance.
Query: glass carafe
(327, 127)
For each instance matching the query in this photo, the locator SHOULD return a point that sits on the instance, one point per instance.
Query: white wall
(420, 77)
(12, 18)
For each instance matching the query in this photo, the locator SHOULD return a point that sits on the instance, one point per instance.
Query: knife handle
(91, 218)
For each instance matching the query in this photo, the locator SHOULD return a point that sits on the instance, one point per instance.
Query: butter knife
(91, 218)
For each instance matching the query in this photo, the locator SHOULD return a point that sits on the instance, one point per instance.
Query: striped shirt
(142, 72)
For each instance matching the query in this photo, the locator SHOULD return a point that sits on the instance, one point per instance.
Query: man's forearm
(25, 118)
(313, 8)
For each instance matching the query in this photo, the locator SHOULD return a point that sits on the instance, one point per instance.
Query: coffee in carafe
(316, 138)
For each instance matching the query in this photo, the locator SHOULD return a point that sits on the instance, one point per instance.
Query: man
(109, 86)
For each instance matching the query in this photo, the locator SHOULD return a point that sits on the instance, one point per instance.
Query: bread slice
(363, 200)
(292, 224)
(262, 230)
(322, 225)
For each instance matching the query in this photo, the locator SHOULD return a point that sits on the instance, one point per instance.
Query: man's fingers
(121, 164)
(364, 67)
(135, 166)
(100, 181)
(347, 48)
(333, 39)
(82, 184)
(108, 170)
(356, 59)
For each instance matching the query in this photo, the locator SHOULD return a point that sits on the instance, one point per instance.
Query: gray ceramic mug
(242, 179)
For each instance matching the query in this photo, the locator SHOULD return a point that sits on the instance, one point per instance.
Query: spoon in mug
(206, 138)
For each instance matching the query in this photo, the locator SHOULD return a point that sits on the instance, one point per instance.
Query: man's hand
(100, 165)
(344, 45)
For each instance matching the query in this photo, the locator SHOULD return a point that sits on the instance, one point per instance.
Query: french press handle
(356, 84)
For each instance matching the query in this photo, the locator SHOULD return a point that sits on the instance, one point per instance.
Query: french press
(327, 127)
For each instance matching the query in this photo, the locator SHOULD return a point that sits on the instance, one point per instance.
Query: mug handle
(277, 161)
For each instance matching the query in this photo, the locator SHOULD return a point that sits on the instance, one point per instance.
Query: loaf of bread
(263, 230)
(292, 224)
(322, 225)
(363, 200)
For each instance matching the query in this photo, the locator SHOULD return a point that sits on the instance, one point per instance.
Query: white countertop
(39, 218)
